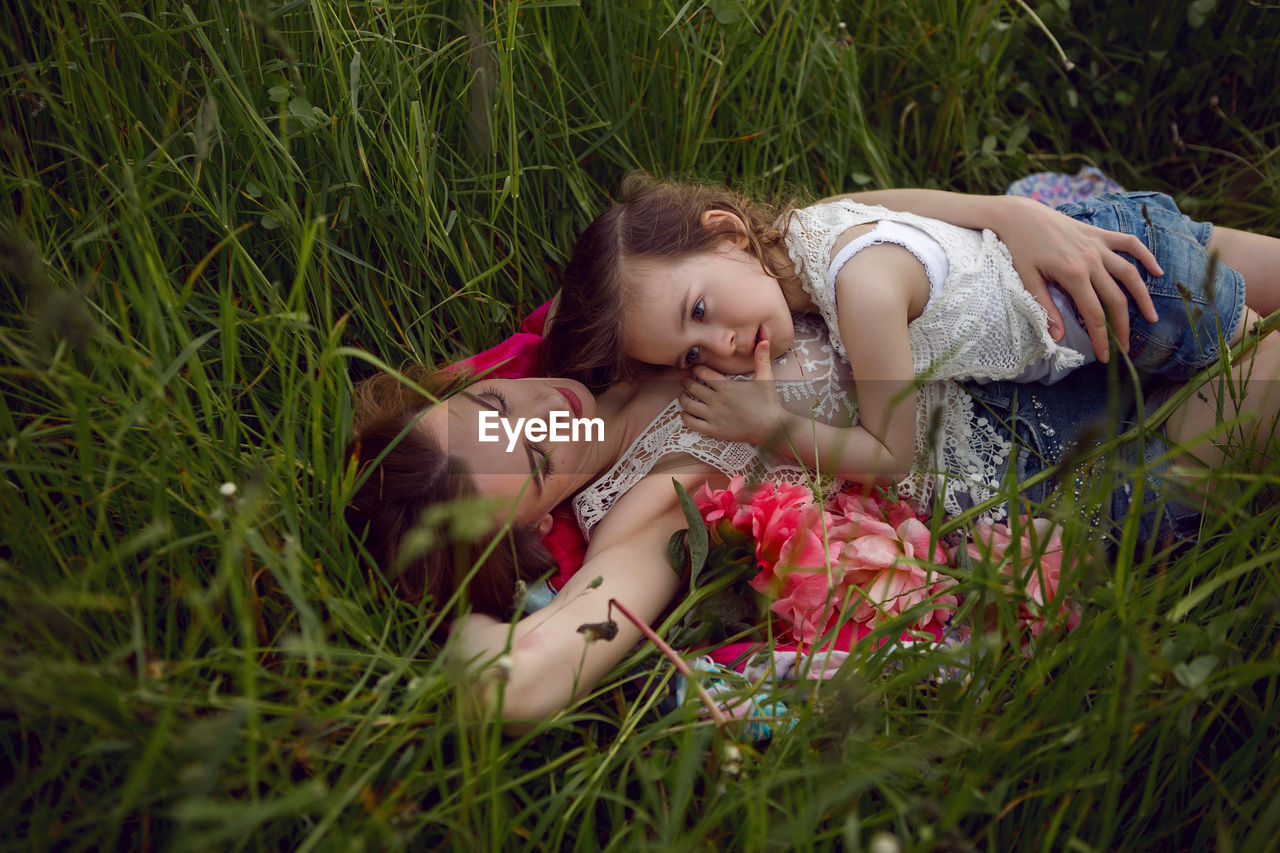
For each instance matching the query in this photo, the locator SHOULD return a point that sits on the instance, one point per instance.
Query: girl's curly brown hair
(654, 219)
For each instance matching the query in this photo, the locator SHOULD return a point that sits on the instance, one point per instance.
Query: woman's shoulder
(652, 498)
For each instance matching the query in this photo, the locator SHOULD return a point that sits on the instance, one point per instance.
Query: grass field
(220, 214)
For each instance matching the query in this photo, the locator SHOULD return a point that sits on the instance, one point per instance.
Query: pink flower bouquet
(861, 558)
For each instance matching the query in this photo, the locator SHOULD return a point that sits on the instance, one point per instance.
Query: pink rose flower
(776, 513)
(805, 601)
(801, 546)
(860, 514)
(726, 512)
(888, 572)
(862, 552)
(1032, 566)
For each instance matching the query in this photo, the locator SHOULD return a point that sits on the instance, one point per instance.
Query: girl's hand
(1084, 261)
(735, 411)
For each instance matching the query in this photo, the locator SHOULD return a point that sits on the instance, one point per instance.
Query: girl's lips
(575, 405)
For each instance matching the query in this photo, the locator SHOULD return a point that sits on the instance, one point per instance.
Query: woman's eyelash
(497, 395)
(543, 465)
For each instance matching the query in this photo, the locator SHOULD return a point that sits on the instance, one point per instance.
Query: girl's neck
(798, 300)
(792, 291)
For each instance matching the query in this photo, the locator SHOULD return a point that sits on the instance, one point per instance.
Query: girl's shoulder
(839, 212)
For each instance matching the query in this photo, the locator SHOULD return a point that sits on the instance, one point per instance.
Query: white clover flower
(884, 842)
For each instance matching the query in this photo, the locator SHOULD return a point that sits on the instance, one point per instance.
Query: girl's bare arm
(1087, 263)
(878, 290)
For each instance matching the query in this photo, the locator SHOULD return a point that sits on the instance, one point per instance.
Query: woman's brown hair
(414, 474)
(655, 219)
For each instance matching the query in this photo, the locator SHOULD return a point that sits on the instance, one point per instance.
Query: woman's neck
(627, 408)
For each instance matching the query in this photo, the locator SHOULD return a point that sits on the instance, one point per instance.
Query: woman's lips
(575, 405)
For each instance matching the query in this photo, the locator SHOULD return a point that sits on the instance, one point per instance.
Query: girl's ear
(724, 220)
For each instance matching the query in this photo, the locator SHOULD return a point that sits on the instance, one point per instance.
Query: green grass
(220, 214)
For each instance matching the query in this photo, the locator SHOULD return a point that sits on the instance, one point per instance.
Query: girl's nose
(723, 344)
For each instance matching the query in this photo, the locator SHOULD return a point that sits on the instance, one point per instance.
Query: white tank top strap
(919, 243)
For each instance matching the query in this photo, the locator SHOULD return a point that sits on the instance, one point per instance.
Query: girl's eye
(693, 355)
(699, 310)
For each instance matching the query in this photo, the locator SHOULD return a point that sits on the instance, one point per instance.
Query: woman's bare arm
(545, 661)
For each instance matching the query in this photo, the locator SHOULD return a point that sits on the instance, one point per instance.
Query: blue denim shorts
(1048, 424)
(1199, 299)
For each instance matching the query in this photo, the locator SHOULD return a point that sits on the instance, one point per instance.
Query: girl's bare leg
(1256, 405)
(1257, 258)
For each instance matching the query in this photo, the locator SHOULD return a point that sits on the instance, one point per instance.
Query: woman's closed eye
(498, 397)
(540, 459)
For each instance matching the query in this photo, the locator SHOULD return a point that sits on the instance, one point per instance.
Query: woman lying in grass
(417, 455)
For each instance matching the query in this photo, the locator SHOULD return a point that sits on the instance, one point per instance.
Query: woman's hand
(1084, 261)
(735, 411)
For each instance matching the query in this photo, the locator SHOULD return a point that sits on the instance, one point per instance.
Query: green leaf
(677, 553)
(1017, 137)
(1199, 11)
(353, 82)
(1192, 674)
(726, 11)
(698, 544)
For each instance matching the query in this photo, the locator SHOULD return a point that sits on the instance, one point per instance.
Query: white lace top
(981, 324)
(810, 377)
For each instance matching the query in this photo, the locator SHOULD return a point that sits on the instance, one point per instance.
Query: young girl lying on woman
(699, 277)
(416, 452)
